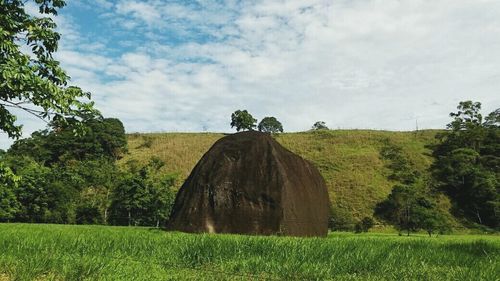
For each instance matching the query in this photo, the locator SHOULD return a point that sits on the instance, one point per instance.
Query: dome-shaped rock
(248, 183)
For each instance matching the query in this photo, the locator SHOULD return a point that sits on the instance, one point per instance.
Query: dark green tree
(34, 82)
(242, 120)
(411, 205)
(9, 205)
(410, 209)
(270, 125)
(401, 170)
(467, 165)
(143, 196)
(319, 125)
(341, 218)
(102, 138)
(33, 190)
(364, 225)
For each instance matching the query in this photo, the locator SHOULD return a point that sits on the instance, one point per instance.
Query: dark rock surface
(248, 183)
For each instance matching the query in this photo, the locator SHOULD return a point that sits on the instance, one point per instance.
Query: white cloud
(354, 64)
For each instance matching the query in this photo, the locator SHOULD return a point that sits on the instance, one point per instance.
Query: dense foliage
(242, 120)
(412, 204)
(270, 125)
(61, 177)
(467, 165)
(319, 125)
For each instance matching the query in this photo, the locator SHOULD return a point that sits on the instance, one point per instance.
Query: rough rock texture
(248, 183)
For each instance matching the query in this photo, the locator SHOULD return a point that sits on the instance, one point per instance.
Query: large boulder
(248, 183)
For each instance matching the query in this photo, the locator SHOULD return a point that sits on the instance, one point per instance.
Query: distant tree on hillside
(242, 120)
(270, 125)
(411, 205)
(410, 209)
(319, 125)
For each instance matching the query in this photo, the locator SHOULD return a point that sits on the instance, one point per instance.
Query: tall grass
(349, 160)
(58, 252)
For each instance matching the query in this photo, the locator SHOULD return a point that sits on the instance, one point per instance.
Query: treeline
(62, 176)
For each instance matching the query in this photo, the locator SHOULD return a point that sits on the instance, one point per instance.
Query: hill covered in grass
(349, 160)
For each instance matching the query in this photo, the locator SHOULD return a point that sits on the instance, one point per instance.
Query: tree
(410, 209)
(270, 125)
(9, 206)
(143, 196)
(33, 190)
(411, 205)
(242, 120)
(104, 137)
(467, 165)
(34, 81)
(319, 125)
(67, 177)
(341, 218)
(401, 169)
(364, 225)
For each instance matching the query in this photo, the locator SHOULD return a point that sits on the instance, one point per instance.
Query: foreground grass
(58, 252)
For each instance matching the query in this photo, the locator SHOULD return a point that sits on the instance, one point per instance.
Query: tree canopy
(467, 165)
(33, 80)
(270, 125)
(242, 120)
(319, 125)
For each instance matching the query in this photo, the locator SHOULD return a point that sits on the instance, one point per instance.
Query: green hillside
(349, 160)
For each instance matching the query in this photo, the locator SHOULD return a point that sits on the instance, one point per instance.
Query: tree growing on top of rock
(242, 120)
(270, 125)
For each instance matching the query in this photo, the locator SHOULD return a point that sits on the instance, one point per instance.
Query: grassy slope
(64, 252)
(348, 159)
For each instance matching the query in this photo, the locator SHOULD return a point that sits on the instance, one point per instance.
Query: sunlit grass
(58, 252)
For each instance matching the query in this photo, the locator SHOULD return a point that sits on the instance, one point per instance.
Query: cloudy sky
(187, 65)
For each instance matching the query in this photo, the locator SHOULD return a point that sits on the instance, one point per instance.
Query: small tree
(411, 209)
(242, 120)
(320, 125)
(364, 225)
(9, 205)
(270, 125)
(367, 223)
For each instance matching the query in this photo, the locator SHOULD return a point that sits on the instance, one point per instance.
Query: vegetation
(349, 160)
(467, 164)
(242, 120)
(61, 177)
(55, 252)
(34, 82)
(270, 125)
(319, 125)
(412, 204)
(57, 176)
(364, 225)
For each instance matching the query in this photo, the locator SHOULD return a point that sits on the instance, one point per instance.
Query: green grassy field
(349, 160)
(65, 252)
